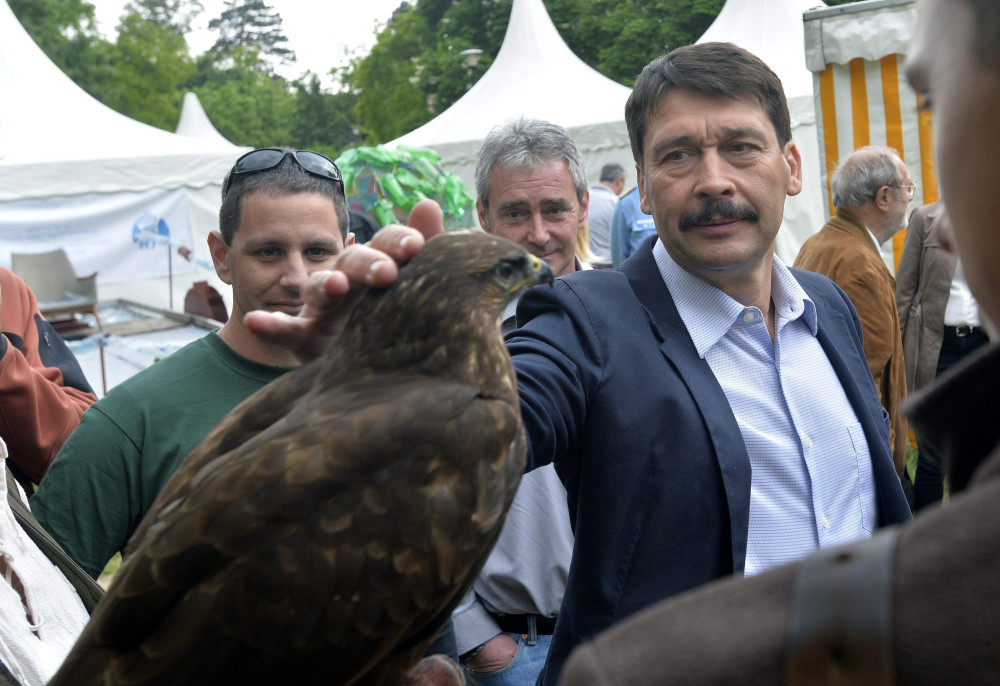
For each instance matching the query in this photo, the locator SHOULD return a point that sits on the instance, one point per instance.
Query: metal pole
(170, 273)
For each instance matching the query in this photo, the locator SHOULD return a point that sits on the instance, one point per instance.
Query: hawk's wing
(367, 492)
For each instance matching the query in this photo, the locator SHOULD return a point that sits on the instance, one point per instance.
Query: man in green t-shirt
(283, 217)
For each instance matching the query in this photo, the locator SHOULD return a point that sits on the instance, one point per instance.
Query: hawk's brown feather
(325, 529)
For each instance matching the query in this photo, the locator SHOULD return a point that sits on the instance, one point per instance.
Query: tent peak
(536, 75)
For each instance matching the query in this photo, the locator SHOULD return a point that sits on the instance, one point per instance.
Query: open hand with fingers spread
(330, 295)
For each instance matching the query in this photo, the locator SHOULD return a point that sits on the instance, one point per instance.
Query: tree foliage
(152, 63)
(66, 31)
(418, 67)
(176, 14)
(250, 24)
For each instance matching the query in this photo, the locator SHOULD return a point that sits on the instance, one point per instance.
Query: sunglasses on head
(269, 158)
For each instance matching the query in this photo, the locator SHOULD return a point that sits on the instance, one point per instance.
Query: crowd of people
(704, 424)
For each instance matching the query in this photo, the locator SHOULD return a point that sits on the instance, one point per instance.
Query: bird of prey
(324, 531)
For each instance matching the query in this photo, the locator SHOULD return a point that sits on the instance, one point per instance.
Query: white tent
(115, 193)
(536, 75)
(194, 123)
(773, 30)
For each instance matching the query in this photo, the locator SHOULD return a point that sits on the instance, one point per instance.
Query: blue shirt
(812, 482)
(630, 226)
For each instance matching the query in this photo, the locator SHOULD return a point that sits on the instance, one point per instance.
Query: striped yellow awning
(857, 57)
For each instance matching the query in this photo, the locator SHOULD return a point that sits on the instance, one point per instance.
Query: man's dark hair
(612, 172)
(285, 179)
(720, 69)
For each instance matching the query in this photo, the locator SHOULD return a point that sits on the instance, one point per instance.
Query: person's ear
(882, 198)
(641, 185)
(220, 256)
(484, 219)
(794, 161)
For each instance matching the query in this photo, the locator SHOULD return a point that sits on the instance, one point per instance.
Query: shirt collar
(878, 246)
(852, 218)
(708, 313)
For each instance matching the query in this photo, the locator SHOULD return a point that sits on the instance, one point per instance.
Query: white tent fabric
(64, 149)
(773, 30)
(536, 75)
(194, 123)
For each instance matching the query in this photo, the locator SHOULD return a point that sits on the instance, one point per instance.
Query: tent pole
(170, 274)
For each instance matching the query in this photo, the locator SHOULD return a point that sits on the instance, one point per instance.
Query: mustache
(717, 209)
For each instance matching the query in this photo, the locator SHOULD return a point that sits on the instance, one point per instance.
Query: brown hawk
(323, 532)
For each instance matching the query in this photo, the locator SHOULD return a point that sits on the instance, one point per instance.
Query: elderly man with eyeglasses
(283, 217)
(872, 190)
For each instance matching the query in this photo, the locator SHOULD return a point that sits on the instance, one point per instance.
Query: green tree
(66, 31)
(251, 24)
(323, 122)
(386, 82)
(176, 14)
(153, 62)
(246, 105)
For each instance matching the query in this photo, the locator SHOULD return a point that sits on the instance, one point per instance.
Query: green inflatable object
(386, 184)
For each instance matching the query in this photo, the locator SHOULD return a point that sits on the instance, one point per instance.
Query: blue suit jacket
(641, 433)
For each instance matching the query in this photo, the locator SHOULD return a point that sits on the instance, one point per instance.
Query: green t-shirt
(129, 443)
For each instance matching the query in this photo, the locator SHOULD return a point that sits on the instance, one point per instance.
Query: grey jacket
(923, 282)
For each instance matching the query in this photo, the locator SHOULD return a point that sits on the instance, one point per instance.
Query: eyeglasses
(909, 188)
(269, 158)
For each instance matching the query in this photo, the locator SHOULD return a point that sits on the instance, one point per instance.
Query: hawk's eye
(505, 270)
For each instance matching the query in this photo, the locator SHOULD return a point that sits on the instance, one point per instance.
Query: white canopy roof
(61, 141)
(194, 123)
(536, 75)
(772, 30)
(869, 30)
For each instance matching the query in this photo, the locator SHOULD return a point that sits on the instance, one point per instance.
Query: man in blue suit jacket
(709, 411)
(692, 451)
(655, 466)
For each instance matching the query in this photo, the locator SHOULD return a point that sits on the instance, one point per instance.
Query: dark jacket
(642, 435)
(944, 626)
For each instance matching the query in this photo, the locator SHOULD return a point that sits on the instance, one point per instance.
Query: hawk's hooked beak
(539, 273)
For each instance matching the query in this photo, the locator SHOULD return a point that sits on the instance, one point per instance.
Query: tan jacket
(844, 251)
(923, 283)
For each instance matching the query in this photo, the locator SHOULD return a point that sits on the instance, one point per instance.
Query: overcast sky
(321, 32)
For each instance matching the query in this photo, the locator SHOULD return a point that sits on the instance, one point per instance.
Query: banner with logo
(121, 236)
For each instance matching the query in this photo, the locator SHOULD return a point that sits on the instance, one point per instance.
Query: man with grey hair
(603, 199)
(532, 190)
(872, 190)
